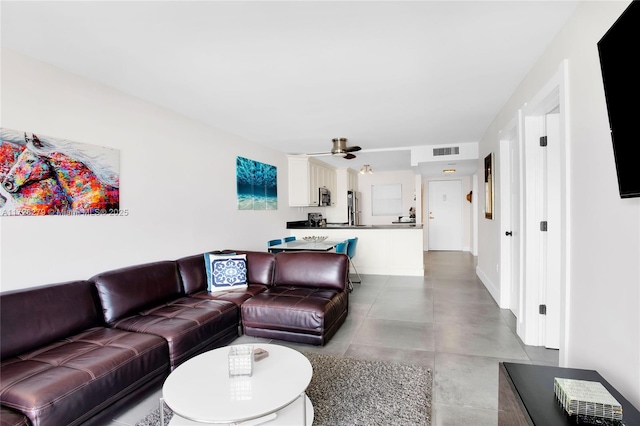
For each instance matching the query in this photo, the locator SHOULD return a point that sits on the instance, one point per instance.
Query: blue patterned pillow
(207, 265)
(228, 272)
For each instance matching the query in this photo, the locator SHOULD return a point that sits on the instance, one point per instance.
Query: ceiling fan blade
(352, 149)
(349, 156)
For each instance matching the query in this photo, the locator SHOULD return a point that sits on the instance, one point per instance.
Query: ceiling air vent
(446, 151)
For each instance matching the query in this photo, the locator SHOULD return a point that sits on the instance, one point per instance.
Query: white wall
(177, 181)
(406, 178)
(603, 294)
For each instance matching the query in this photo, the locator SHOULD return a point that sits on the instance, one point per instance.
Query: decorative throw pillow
(207, 265)
(228, 272)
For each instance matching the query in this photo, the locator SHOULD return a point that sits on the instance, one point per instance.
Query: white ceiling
(293, 75)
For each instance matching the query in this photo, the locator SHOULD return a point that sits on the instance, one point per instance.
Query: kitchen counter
(405, 225)
(381, 249)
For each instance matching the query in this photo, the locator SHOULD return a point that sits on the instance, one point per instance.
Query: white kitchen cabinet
(352, 180)
(306, 176)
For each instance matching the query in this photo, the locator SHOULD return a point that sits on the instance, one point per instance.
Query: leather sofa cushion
(295, 309)
(260, 267)
(238, 296)
(192, 272)
(70, 380)
(12, 418)
(189, 325)
(126, 291)
(37, 316)
(312, 269)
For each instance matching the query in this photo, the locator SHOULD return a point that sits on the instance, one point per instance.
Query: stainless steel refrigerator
(353, 208)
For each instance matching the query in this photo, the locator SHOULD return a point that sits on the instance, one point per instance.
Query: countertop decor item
(315, 239)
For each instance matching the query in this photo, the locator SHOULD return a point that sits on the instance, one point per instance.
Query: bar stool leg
(354, 268)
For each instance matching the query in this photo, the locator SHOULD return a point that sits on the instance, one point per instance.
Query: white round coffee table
(201, 391)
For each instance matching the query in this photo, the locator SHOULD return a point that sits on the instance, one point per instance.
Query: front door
(445, 215)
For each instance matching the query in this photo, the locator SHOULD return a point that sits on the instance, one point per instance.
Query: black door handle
(508, 233)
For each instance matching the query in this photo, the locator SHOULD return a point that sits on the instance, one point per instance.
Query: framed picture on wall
(488, 186)
(256, 184)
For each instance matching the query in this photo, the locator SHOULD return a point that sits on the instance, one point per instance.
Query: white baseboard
(494, 290)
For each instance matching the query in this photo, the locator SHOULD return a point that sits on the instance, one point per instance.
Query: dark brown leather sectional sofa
(74, 353)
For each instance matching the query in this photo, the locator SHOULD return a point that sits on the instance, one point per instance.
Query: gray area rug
(348, 391)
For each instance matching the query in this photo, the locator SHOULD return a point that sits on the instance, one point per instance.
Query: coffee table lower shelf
(289, 415)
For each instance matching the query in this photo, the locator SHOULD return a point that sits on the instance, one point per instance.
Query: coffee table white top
(200, 389)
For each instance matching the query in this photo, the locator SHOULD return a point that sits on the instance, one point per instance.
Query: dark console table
(526, 395)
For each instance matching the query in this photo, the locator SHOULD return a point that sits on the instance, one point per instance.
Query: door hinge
(543, 141)
(543, 226)
(543, 310)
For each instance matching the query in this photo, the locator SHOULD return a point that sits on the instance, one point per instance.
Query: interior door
(445, 215)
(552, 238)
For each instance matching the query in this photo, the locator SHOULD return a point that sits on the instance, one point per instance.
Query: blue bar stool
(287, 239)
(351, 252)
(343, 248)
(273, 243)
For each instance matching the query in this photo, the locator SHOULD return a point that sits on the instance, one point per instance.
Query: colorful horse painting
(27, 168)
(86, 192)
(32, 186)
(46, 180)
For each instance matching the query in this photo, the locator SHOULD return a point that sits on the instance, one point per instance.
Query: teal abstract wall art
(257, 185)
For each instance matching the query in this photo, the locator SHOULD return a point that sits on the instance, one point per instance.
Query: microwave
(324, 197)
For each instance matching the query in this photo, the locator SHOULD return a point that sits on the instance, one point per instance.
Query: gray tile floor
(445, 320)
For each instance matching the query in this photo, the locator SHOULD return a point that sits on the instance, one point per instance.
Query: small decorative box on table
(240, 360)
(590, 401)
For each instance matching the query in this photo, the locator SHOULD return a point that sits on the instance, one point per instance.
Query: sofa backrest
(34, 317)
(193, 274)
(260, 266)
(129, 290)
(312, 269)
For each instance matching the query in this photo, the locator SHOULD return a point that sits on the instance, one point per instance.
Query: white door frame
(553, 95)
(474, 214)
(511, 134)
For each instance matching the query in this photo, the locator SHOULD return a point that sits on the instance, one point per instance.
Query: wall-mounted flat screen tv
(619, 52)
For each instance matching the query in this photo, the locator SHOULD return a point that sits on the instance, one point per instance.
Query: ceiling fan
(340, 148)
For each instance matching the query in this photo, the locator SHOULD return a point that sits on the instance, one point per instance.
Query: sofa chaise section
(150, 298)
(307, 302)
(61, 365)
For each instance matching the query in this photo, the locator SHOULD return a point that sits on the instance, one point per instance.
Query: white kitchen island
(381, 250)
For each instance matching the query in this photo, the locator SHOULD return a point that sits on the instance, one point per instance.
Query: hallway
(445, 320)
